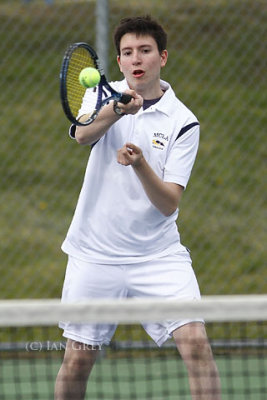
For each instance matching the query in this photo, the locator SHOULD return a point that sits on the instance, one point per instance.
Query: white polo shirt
(114, 221)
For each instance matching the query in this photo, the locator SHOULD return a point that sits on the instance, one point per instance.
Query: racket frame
(102, 85)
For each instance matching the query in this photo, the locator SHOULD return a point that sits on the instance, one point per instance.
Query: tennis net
(132, 366)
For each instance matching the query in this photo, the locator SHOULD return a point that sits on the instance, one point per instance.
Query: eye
(127, 53)
(146, 50)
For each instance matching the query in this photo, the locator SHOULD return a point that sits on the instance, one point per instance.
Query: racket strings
(79, 60)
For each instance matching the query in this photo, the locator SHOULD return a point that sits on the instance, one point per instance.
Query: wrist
(117, 110)
(139, 163)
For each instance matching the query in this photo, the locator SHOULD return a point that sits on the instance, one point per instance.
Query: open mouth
(138, 73)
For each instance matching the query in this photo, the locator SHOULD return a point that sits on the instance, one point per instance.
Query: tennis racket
(77, 57)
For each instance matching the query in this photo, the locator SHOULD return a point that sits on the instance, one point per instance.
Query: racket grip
(125, 98)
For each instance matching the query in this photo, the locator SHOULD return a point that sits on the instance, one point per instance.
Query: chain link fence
(217, 66)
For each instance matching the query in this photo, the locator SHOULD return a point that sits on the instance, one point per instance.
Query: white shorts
(171, 276)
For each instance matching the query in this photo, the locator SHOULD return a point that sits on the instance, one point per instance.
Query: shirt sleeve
(182, 156)
(90, 99)
(88, 104)
(72, 131)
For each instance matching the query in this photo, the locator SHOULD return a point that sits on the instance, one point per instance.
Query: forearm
(164, 196)
(89, 134)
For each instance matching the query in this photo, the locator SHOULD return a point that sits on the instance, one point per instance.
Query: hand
(130, 154)
(134, 105)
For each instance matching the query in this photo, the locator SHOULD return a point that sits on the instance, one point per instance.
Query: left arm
(165, 196)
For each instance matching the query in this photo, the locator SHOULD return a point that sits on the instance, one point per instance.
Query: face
(141, 63)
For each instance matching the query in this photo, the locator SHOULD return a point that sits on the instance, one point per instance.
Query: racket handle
(125, 98)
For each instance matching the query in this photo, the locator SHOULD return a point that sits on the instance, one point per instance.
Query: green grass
(216, 66)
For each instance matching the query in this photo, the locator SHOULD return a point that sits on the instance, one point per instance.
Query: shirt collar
(164, 104)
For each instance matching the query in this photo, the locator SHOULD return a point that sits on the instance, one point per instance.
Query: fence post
(102, 32)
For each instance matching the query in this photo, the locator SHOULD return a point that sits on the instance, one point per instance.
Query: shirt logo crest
(159, 140)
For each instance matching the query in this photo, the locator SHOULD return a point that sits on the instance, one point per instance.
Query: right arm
(89, 134)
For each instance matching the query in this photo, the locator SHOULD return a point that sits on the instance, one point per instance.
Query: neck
(152, 96)
(149, 93)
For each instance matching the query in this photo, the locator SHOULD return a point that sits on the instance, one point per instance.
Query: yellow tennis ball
(89, 77)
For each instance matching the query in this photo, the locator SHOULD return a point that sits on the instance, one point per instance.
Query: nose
(136, 60)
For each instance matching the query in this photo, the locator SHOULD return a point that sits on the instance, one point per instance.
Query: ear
(119, 62)
(164, 58)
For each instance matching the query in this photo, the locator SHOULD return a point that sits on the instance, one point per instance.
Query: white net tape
(211, 308)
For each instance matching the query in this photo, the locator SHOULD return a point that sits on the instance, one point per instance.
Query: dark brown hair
(141, 26)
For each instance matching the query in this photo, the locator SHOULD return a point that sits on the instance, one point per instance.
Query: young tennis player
(123, 240)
